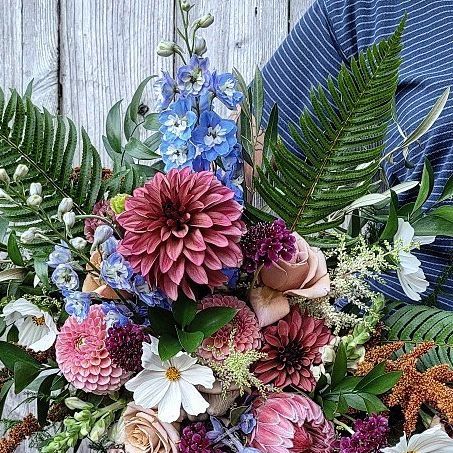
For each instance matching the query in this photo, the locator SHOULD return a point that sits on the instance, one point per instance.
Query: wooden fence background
(84, 55)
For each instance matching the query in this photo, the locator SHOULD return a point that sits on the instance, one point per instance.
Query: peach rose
(144, 432)
(305, 275)
(269, 305)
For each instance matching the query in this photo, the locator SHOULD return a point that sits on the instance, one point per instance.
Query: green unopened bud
(200, 47)
(185, 5)
(4, 176)
(98, 430)
(118, 202)
(204, 22)
(35, 188)
(65, 205)
(21, 172)
(168, 48)
(76, 403)
(34, 200)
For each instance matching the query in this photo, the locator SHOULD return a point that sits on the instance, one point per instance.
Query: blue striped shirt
(329, 34)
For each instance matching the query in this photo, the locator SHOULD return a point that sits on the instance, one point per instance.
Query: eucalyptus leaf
(152, 122)
(138, 150)
(426, 186)
(448, 190)
(113, 127)
(258, 98)
(391, 226)
(434, 225)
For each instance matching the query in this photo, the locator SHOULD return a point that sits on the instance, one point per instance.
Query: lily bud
(69, 219)
(200, 46)
(28, 236)
(78, 243)
(21, 172)
(65, 206)
(4, 176)
(35, 188)
(34, 200)
(168, 48)
(102, 233)
(76, 403)
(204, 22)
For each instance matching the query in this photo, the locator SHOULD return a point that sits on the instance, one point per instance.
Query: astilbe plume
(181, 230)
(370, 435)
(195, 440)
(266, 243)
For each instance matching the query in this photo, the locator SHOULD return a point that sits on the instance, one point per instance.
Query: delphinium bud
(102, 233)
(204, 22)
(5, 196)
(4, 176)
(78, 243)
(20, 172)
(65, 205)
(69, 220)
(34, 200)
(35, 188)
(186, 6)
(168, 48)
(200, 47)
(30, 235)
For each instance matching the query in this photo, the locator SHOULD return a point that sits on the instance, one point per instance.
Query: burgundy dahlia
(125, 346)
(182, 229)
(194, 440)
(369, 437)
(267, 243)
(243, 330)
(101, 208)
(292, 347)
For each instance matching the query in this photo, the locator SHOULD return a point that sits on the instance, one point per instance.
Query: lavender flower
(267, 243)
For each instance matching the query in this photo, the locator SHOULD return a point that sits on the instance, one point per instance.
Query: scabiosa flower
(243, 329)
(103, 209)
(292, 347)
(224, 87)
(83, 358)
(194, 78)
(177, 154)
(266, 243)
(125, 346)
(77, 303)
(194, 440)
(116, 272)
(177, 121)
(369, 437)
(65, 277)
(182, 229)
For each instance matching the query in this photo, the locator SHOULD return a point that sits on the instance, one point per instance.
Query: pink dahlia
(287, 422)
(82, 355)
(182, 229)
(292, 347)
(243, 329)
(101, 208)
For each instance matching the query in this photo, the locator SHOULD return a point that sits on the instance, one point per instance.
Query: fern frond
(46, 144)
(341, 142)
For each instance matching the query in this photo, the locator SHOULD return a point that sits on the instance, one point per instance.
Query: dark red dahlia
(267, 243)
(125, 345)
(292, 347)
(195, 440)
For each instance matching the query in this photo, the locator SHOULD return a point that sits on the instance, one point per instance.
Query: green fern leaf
(341, 142)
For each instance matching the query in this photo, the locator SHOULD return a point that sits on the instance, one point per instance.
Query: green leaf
(41, 269)
(190, 341)
(10, 354)
(426, 186)
(377, 381)
(138, 150)
(161, 320)
(24, 374)
(391, 227)
(448, 190)
(330, 408)
(169, 346)
(438, 222)
(184, 311)
(13, 250)
(271, 133)
(4, 393)
(152, 122)
(258, 98)
(43, 399)
(340, 366)
(113, 127)
(210, 320)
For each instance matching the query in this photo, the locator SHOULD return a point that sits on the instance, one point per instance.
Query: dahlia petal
(201, 220)
(165, 262)
(197, 274)
(187, 289)
(196, 257)
(176, 272)
(215, 238)
(219, 218)
(211, 260)
(173, 248)
(169, 287)
(181, 232)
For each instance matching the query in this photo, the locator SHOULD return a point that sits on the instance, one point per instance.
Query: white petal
(30, 333)
(405, 232)
(24, 307)
(169, 408)
(433, 440)
(408, 263)
(192, 401)
(423, 240)
(45, 342)
(199, 375)
(150, 360)
(400, 447)
(149, 388)
(183, 361)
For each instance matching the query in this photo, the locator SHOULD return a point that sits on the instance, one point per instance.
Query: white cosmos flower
(37, 329)
(433, 440)
(170, 384)
(410, 274)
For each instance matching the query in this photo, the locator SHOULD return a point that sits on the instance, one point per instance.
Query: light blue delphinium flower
(116, 272)
(194, 78)
(247, 422)
(146, 294)
(214, 136)
(233, 160)
(224, 87)
(65, 277)
(114, 316)
(177, 154)
(178, 121)
(77, 304)
(60, 255)
(168, 88)
(108, 247)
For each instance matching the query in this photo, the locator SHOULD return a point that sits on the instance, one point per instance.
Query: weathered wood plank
(297, 10)
(107, 49)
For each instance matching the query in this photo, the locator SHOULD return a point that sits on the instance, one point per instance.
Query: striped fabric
(328, 35)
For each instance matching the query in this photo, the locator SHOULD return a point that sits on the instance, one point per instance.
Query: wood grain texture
(107, 49)
(297, 9)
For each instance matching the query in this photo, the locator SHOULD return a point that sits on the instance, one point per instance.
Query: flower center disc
(39, 321)
(173, 374)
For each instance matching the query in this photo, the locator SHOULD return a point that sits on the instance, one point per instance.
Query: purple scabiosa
(177, 154)
(177, 121)
(116, 272)
(267, 243)
(224, 87)
(77, 304)
(194, 78)
(370, 436)
(125, 346)
(195, 440)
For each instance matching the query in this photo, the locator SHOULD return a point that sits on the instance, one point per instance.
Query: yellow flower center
(173, 374)
(38, 321)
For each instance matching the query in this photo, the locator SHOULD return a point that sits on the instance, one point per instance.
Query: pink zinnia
(83, 357)
(287, 422)
(243, 329)
(182, 229)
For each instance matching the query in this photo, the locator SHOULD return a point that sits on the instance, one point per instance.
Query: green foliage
(342, 142)
(184, 328)
(417, 323)
(355, 392)
(46, 144)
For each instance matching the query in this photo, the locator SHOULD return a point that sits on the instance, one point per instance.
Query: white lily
(433, 440)
(171, 384)
(410, 274)
(37, 329)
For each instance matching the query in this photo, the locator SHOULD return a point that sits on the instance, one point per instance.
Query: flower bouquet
(213, 292)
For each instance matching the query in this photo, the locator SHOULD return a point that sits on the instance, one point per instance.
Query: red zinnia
(182, 229)
(292, 347)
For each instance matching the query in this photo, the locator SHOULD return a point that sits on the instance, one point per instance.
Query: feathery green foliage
(46, 144)
(341, 142)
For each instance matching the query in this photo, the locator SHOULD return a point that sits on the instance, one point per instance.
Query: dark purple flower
(195, 440)
(267, 243)
(369, 437)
